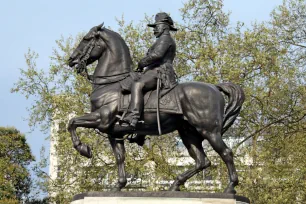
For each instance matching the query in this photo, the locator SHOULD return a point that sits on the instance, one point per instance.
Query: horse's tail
(236, 98)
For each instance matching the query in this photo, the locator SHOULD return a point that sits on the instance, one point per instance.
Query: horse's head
(107, 47)
(89, 49)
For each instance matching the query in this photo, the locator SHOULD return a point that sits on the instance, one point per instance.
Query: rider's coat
(159, 59)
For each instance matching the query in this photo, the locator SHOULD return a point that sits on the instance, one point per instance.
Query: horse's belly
(168, 122)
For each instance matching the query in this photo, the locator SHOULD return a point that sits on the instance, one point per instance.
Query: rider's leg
(146, 83)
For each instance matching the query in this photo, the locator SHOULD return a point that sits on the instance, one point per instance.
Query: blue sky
(36, 24)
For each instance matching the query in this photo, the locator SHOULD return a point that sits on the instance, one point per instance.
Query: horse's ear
(100, 27)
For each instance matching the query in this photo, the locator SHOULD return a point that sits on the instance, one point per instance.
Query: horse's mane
(117, 45)
(116, 58)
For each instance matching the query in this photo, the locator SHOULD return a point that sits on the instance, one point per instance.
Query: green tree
(266, 59)
(15, 156)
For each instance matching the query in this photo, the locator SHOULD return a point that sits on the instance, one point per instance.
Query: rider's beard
(158, 33)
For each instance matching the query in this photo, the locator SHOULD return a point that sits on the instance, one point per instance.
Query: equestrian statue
(149, 101)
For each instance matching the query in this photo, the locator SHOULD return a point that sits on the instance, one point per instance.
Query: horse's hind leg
(91, 120)
(119, 152)
(226, 154)
(193, 142)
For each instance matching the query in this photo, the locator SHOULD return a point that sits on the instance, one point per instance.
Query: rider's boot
(131, 119)
(136, 106)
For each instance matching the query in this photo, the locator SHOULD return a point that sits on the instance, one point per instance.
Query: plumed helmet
(163, 18)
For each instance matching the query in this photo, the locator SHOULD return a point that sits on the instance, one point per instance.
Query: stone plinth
(164, 197)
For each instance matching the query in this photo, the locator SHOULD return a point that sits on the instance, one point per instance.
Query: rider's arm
(156, 54)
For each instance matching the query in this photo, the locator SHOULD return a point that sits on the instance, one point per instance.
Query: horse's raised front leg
(193, 142)
(119, 152)
(91, 120)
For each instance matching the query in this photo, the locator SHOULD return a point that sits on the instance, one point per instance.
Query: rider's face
(158, 30)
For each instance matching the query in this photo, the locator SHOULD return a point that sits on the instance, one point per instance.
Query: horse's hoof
(174, 188)
(85, 150)
(230, 190)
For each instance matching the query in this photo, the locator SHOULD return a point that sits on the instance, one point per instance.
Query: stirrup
(122, 122)
(125, 123)
(134, 122)
(121, 116)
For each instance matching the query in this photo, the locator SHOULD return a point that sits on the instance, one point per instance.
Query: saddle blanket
(168, 103)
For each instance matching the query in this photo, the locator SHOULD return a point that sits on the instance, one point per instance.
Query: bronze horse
(202, 106)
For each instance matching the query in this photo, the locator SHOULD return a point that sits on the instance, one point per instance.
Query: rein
(108, 81)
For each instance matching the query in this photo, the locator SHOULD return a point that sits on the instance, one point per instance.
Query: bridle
(82, 69)
(83, 57)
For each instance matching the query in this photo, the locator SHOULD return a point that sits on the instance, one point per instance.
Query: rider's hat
(163, 18)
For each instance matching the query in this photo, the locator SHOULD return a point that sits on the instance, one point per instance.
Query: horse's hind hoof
(85, 150)
(230, 190)
(174, 188)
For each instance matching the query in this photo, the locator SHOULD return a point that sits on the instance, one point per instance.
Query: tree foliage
(267, 59)
(15, 156)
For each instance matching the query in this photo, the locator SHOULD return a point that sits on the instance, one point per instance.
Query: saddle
(168, 102)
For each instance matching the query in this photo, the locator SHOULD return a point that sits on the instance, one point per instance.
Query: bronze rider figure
(158, 63)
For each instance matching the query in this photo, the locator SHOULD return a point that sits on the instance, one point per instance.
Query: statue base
(163, 197)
